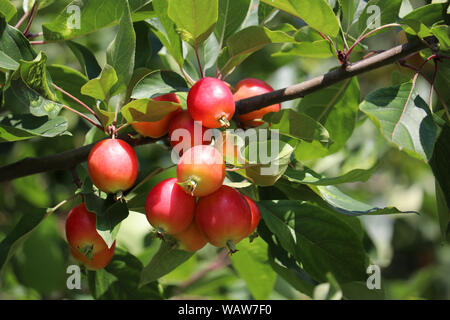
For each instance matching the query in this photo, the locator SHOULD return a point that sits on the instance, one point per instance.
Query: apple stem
(224, 122)
(189, 185)
(231, 247)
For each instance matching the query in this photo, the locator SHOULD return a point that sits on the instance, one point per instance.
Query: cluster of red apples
(193, 209)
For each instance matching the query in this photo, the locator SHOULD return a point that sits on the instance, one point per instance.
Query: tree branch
(307, 87)
(68, 159)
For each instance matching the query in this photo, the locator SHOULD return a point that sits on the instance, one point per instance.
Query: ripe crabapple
(211, 101)
(168, 208)
(250, 87)
(179, 139)
(86, 245)
(191, 239)
(223, 217)
(201, 170)
(113, 165)
(256, 214)
(157, 129)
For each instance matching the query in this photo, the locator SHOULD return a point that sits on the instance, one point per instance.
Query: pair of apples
(113, 167)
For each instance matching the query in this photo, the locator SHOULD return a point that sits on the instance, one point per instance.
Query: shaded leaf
(404, 118)
(335, 107)
(86, 58)
(316, 238)
(164, 261)
(22, 127)
(251, 264)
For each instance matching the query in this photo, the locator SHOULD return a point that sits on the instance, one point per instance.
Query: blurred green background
(415, 263)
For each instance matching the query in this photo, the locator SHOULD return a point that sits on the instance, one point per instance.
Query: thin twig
(84, 117)
(199, 63)
(77, 100)
(22, 20)
(32, 15)
(349, 51)
(40, 42)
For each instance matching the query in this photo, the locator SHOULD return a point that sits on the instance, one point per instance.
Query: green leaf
(195, 19)
(70, 80)
(100, 87)
(320, 49)
(345, 204)
(27, 223)
(159, 83)
(428, 15)
(265, 13)
(143, 45)
(23, 100)
(232, 14)
(378, 11)
(284, 264)
(308, 176)
(7, 63)
(251, 264)
(109, 213)
(335, 107)
(403, 118)
(317, 238)
(164, 261)
(81, 18)
(108, 222)
(349, 9)
(165, 30)
(121, 52)
(28, 4)
(14, 44)
(298, 126)
(147, 110)
(441, 171)
(7, 9)
(22, 127)
(317, 14)
(120, 280)
(86, 58)
(245, 42)
(34, 74)
(443, 35)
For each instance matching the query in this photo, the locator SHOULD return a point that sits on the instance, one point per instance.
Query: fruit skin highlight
(157, 129)
(201, 170)
(250, 87)
(223, 217)
(113, 165)
(256, 214)
(183, 120)
(82, 235)
(168, 208)
(211, 102)
(191, 239)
